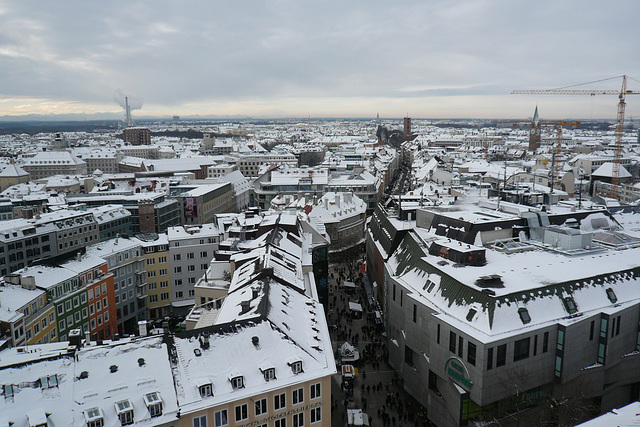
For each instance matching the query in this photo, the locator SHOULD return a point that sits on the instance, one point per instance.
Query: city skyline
(284, 59)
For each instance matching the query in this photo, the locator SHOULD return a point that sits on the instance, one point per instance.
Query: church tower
(534, 132)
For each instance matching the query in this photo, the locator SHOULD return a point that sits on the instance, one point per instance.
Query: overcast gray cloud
(434, 58)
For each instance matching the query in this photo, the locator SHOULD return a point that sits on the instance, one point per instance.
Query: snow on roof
(606, 170)
(62, 392)
(625, 416)
(537, 280)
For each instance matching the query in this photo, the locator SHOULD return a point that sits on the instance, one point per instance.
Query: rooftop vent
(84, 375)
(204, 340)
(490, 281)
(141, 362)
(245, 306)
(255, 341)
(113, 368)
(197, 352)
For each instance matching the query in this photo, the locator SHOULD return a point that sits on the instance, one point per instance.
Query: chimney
(27, 282)
(142, 328)
(337, 199)
(75, 337)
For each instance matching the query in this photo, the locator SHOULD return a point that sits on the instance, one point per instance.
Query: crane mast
(617, 156)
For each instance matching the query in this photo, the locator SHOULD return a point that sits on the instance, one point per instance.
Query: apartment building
(27, 317)
(191, 249)
(49, 163)
(156, 255)
(200, 202)
(125, 259)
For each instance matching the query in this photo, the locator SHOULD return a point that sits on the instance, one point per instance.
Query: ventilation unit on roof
(141, 362)
(490, 281)
(113, 368)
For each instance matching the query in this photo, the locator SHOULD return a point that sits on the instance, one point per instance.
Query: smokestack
(128, 112)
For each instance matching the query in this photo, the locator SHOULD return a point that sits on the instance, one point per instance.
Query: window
(460, 346)
(591, 330)
(242, 412)
(177, 269)
(545, 342)
(190, 255)
(298, 396)
(269, 374)
(490, 359)
(200, 421)
(560, 344)
(315, 391)
(298, 420)
(282, 422)
(438, 335)
(452, 342)
(221, 418)
(203, 254)
(316, 415)
(237, 382)
(433, 382)
(279, 401)
(191, 268)
(408, 356)
(603, 327)
(501, 358)
(206, 390)
(602, 350)
(296, 367)
(261, 406)
(471, 353)
(521, 349)
(535, 345)
(415, 313)
(394, 292)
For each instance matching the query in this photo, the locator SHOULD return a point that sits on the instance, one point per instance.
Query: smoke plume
(134, 103)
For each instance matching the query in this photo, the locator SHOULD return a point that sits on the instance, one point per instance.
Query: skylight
(612, 296)
(472, 312)
(570, 305)
(524, 315)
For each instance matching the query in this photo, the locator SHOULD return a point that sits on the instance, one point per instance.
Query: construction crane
(555, 166)
(615, 174)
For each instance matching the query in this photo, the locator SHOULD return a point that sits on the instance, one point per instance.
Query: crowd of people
(377, 389)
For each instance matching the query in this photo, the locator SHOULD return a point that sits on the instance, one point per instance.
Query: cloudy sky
(276, 58)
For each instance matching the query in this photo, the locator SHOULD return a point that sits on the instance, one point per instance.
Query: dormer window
(296, 367)
(269, 374)
(124, 409)
(94, 417)
(237, 382)
(206, 390)
(154, 404)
